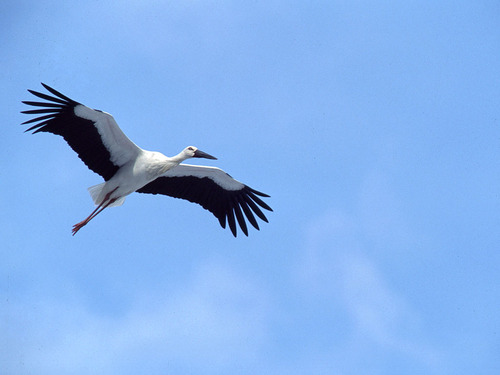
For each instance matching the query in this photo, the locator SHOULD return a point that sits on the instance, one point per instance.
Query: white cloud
(219, 320)
(340, 272)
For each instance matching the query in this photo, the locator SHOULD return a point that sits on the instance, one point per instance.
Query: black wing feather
(81, 134)
(239, 216)
(226, 205)
(48, 97)
(248, 212)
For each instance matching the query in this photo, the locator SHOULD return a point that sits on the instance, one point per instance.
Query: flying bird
(126, 168)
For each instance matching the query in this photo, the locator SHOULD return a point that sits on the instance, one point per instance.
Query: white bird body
(131, 176)
(135, 174)
(127, 168)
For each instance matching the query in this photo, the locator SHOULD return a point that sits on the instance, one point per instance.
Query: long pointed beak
(201, 154)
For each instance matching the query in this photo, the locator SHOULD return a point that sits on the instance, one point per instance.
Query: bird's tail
(96, 194)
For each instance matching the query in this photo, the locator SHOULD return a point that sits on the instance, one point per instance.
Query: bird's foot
(78, 226)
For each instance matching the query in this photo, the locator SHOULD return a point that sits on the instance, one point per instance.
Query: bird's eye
(190, 149)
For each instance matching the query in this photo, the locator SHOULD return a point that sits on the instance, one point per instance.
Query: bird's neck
(168, 163)
(179, 158)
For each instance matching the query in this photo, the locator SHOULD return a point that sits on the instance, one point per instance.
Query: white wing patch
(220, 177)
(120, 147)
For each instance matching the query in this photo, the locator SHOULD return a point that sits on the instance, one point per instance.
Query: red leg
(105, 203)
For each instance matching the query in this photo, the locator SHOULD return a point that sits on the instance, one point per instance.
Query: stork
(126, 168)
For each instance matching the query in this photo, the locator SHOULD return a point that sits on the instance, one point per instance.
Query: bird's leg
(105, 203)
(94, 213)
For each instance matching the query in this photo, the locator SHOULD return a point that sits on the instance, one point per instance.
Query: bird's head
(193, 152)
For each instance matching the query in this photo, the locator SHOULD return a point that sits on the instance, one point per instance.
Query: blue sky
(375, 128)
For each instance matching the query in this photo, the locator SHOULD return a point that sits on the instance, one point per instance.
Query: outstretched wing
(94, 135)
(214, 190)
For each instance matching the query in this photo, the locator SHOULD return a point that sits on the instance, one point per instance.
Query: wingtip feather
(259, 192)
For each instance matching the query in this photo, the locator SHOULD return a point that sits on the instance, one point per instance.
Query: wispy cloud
(217, 321)
(340, 271)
